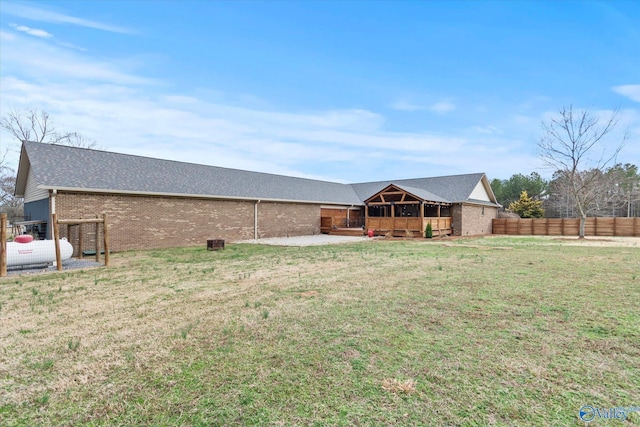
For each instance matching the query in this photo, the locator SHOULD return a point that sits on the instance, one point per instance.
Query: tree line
(587, 181)
(613, 192)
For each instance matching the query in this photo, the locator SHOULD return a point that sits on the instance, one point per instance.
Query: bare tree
(568, 144)
(31, 125)
(37, 126)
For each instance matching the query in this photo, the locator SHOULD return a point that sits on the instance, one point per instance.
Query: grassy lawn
(493, 331)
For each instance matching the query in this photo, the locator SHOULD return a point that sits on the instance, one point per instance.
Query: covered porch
(342, 221)
(403, 211)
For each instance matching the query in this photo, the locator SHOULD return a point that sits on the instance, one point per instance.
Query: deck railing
(383, 225)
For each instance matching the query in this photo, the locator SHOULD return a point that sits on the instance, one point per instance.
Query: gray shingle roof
(422, 193)
(452, 188)
(63, 167)
(80, 168)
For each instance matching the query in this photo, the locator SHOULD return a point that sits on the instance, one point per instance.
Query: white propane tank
(36, 252)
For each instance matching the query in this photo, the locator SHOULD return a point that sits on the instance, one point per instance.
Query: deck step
(347, 232)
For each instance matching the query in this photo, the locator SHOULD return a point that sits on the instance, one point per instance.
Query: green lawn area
(488, 331)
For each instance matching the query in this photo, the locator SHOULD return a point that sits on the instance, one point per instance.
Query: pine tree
(527, 207)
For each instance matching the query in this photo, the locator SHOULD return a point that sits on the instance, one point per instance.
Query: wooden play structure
(70, 223)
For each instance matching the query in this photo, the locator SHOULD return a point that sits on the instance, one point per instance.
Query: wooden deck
(328, 226)
(403, 225)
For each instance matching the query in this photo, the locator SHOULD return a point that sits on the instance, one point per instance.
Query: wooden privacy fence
(595, 226)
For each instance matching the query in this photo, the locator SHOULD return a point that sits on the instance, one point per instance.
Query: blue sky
(342, 91)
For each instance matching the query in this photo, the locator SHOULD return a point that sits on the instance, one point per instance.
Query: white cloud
(630, 91)
(44, 61)
(487, 130)
(5, 36)
(442, 107)
(32, 31)
(43, 15)
(407, 106)
(121, 118)
(114, 103)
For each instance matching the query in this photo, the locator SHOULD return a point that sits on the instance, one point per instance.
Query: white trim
(255, 220)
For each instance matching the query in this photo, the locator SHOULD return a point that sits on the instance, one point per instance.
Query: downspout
(255, 220)
(54, 192)
(52, 210)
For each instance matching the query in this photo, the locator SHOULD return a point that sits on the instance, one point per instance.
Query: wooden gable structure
(403, 211)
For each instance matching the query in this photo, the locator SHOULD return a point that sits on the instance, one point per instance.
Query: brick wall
(145, 222)
(471, 220)
(456, 219)
(287, 219)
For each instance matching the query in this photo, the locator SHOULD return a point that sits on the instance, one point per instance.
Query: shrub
(428, 232)
(527, 207)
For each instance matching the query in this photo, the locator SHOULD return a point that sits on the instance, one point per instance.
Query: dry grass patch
(266, 335)
(399, 386)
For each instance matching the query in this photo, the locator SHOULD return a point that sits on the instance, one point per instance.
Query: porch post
(393, 216)
(366, 216)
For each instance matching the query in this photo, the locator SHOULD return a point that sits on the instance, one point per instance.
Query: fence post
(3, 245)
(105, 235)
(56, 239)
(80, 237)
(97, 241)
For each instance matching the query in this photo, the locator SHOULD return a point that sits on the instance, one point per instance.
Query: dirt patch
(309, 294)
(484, 248)
(600, 241)
(315, 240)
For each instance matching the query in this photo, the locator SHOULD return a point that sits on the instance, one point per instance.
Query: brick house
(154, 203)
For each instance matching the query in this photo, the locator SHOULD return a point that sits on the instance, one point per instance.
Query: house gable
(480, 193)
(393, 194)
